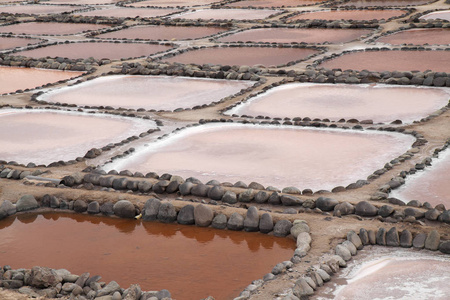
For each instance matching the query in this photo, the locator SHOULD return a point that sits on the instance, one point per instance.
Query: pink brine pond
(219, 14)
(395, 3)
(270, 155)
(357, 15)
(149, 92)
(442, 15)
(272, 3)
(38, 9)
(380, 103)
(432, 36)
(173, 3)
(43, 137)
(44, 28)
(10, 43)
(129, 12)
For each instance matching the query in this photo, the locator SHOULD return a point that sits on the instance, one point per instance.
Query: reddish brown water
(13, 78)
(430, 185)
(191, 262)
(397, 3)
(95, 50)
(149, 92)
(443, 15)
(49, 28)
(66, 136)
(273, 3)
(432, 36)
(363, 102)
(163, 32)
(288, 35)
(358, 15)
(7, 43)
(242, 56)
(385, 273)
(128, 12)
(438, 61)
(271, 155)
(37, 9)
(173, 3)
(236, 14)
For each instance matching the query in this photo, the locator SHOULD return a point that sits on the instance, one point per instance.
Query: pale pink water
(357, 15)
(270, 155)
(173, 3)
(163, 32)
(149, 92)
(37, 9)
(14, 78)
(289, 35)
(49, 28)
(242, 56)
(81, 2)
(128, 12)
(7, 43)
(391, 273)
(272, 3)
(45, 137)
(430, 185)
(95, 50)
(398, 3)
(429, 36)
(396, 60)
(363, 102)
(443, 15)
(235, 14)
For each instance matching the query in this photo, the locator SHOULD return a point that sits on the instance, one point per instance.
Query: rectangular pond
(129, 12)
(227, 14)
(429, 36)
(272, 3)
(36, 9)
(357, 15)
(12, 42)
(45, 28)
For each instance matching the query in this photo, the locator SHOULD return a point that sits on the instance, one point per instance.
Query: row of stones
(57, 283)
(410, 26)
(343, 252)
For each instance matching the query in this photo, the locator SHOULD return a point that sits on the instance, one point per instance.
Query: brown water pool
(270, 155)
(163, 32)
(191, 262)
(14, 78)
(443, 15)
(39, 28)
(397, 3)
(430, 36)
(38, 9)
(273, 3)
(396, 60)
(357, 15)
(173, 3)
(95, 50)
(242, 56)
(129, 12)
(235, 14)
(430, 185)
(363, 102)
(289, 35)
(149, 92)
(30, 135)
(391, 273)
(11, 42)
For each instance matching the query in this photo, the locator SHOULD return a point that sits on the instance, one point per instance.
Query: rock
(364, 236)
(151, 209)
(324, 275)
(344, 208)
(365, 209)
(27, 291)
(82, 279)
(144, 186)
(107, 208)
(372, 237)
(261, 197)
(299, 227)
(343, 252)
(355, 240)
(229, 197)
(93, 207)
(120, 183)
(444, 247)
(432, 214)
(167, 213)
(385, 211)
(124, 209)
(419, 240)
(186, 215)
(236, 222)
(68, 287)
(268, 277)
(351, 247)
(432, 241)
(42, 277)
(278, 269)
(406, 239)
(203, 215)
(392, 238)
(109, 289)
(381, 237)
(291, 190)
(414, 212)
(216, 192)
(302, 289)
(246, 196)
(200, 190)
(326, 204)
(251, 221)
(219, 221)
(134, 292)
(26, 202)
(282, 228)
(116, 296)
(289, 200)
(80, 206)
(8, 208)
(274, 199)
(163, 294)
(160, 186)
(186, 188)
(265, 223)
(444, 217)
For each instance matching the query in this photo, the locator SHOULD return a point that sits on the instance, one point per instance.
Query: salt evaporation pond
(430, 36)
(191, 262)
(44, 28)
(394, 60)
(270, 155)
(290, 35)
(173, 3)
(272, 3)
(129, 12)
(37, 9)
(242, 56)
(15, 78)
(96, 50)
(387, 273)
(11, 42)
(443, 15)
(430, 185)
(82, 2)
(149, 92)
(363, 102)
(395, 3)
(219, 14)
(31, 135)
(357, 15)
(163, 32)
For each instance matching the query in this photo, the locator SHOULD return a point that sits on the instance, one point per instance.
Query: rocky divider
(410, 26)
(30, 38)
(305, 286)
(431, 22)
(163, 211)
(57, 283)
(67, 18)
(223, 4)
(77, 8)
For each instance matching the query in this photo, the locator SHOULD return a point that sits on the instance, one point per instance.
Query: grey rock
(236, 222)
(109, 289)
(26, 202)
(107, 208)
(419, 240)
(289, 200)
(151, 209)
(120, 183)
(144, 186)
(160, 186)
(291, 190)
(186, 215)
(355, 240)
(299, 227)
(278, 269)
(251, 221)
(256, 186)
(246, 196)
(124, 209)
(343, 252)
(133, 292)
(282, 228)
(316, 278)
(414, 212)
(163, 294)
(392, 238)
(80, 206)
(82, 279)
(444, 247)
(261, 197)
(325, 276)
(167, 213)
(265, 223)
(200, 190)
(364, 236)
(385, 211)
(372, 236)
(268, 277)
(350, 246)
(93, 207)
(274, 199)
(186, 188)
(432, 214)
(219, 221)
(302, 289)
(326, 204)
(229, 197)
(216, 192)
(203, 215)
(8, 208)
(406, 239)
(433, 240)
(42, 277)
(381, 237)
(365, 209)
(344, 208)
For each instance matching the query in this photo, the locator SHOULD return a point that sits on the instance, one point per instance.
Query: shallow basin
(357, 15)
(37, 9)
(43, 137)
(430, 36)
(271, 155)
(336, 101)
(149, 92)
(272, 3)
(443, 15)
(44, 28)
(129, 12)
(174, 3)
(11, 42)
(242, 56)
(395, 60)
(235, 14)
(14, 78)
(95, 50)
(395, 3)
(191, 262)
(82, 2)
(288, 35)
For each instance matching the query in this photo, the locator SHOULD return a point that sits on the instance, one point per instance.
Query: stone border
(341, 2)
(411, 26)
(227, 2)
(77, 8)
(7, 35)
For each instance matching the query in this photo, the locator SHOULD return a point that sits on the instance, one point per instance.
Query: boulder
(26, 202)
(8, 208)
(365, 209)
(355, 240)
(120, 183)
(274, 199)
(107, 208)
(80, 206)
(219, 221)
(109, 289)
(186, 215)
(385, 211)
(42, 277)
(246, 196)
(344, 208)
(251, 221)
(326, 204)
(381, 237)
(151, 209)
(364, 236)
(372, 236)
(343, 252)
(432, 214)
(229, 197)
(216, 192)
(299, 227)
(167, 213)
(261, 197)
(236, 222)
(282, 228)
(392, 238)
(444, 247)
(186, 188)
(351, 247)
(93, 207)
(406, 239)
(419, 240)
(200, 190)
(266, 223)
(289, 200)
(302, 289)
(160, 186)
(124, 209)
(432, 241)
(203, 215)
